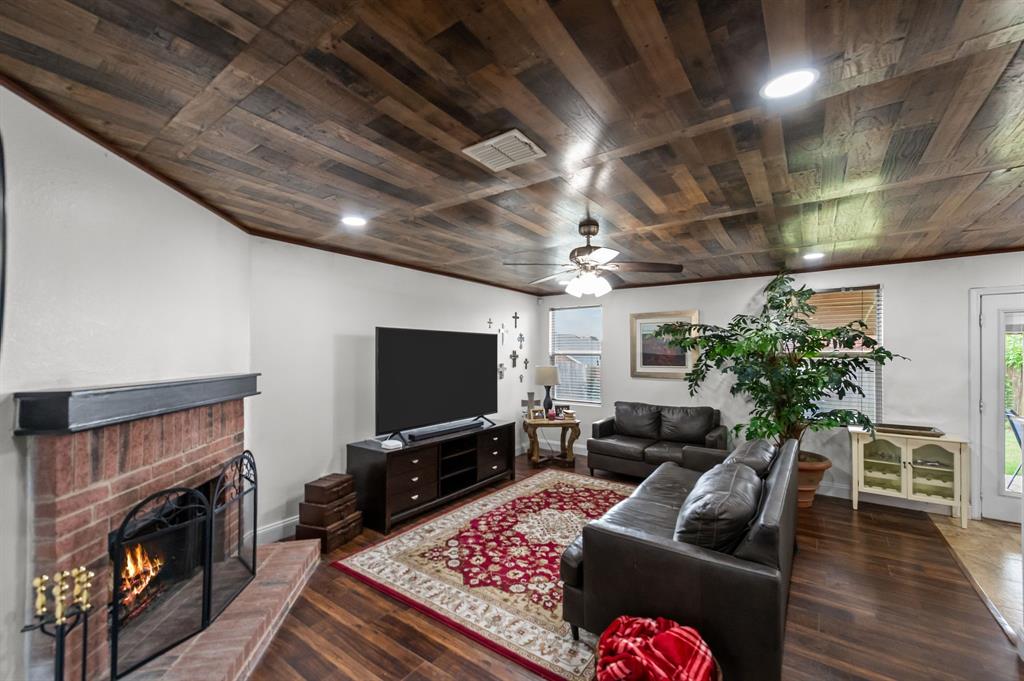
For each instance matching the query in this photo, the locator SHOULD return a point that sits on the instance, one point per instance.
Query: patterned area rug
(489, 568)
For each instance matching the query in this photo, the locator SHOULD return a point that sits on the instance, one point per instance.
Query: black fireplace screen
(179, 558)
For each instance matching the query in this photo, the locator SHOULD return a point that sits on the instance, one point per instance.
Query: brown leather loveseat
(641, 437)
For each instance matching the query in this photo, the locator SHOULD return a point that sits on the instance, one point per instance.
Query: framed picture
(537, 413)
(650, 355)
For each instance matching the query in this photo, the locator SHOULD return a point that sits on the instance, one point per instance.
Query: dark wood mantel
(77, 409)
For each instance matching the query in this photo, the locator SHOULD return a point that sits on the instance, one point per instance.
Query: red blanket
(643, 649)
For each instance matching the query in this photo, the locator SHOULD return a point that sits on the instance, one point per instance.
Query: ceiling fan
(593, 266)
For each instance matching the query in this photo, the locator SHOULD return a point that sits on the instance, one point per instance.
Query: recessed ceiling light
(353, 221)
(813, 256)
(789, 84)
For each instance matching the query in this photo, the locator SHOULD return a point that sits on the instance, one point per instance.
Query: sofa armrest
(702, 459)
(717, 438)
(603, 427)
(737, 606)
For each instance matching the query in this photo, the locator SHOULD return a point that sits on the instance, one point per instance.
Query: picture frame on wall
(650, 356)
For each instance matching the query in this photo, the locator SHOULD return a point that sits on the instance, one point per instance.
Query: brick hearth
(84, 483)
(230, 648)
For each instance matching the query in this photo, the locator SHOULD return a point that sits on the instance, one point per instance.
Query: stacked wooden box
(329, 512)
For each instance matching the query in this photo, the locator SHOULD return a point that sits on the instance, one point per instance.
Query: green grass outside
(1012, 450)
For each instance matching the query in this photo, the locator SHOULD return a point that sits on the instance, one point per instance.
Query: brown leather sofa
(634, 561)
(641, 437)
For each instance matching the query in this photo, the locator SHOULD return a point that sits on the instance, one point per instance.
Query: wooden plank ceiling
(287, 114)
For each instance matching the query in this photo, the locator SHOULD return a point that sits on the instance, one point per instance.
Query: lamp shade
(545, 375)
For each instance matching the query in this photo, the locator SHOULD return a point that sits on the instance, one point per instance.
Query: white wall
(925, 319)
(313, 320)
(112, 278)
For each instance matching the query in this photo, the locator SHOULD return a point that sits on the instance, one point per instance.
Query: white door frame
(974, 393)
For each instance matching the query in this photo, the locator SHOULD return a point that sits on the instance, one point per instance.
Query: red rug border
(523, 662)
(508, 653)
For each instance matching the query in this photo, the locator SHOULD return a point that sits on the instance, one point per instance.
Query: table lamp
(546, 376)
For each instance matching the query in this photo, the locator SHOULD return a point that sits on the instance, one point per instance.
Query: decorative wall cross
(501, 370)
(501, 334)
(520, 378)
(515, 318)
(521, 338)
(526, 363)
(514, 356)
(489, 323)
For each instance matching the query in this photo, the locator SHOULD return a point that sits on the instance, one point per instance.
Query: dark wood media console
(396, 484)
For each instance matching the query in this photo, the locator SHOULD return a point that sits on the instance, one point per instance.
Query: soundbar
(446, 429)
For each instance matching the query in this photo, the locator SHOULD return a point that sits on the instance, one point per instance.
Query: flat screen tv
(430, 377)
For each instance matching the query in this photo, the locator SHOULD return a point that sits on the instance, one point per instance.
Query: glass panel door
(1002, 385)
(1013, 399)
(932, 466)
(882, 467)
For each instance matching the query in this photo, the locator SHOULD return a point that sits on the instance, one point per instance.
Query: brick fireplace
(85, 482)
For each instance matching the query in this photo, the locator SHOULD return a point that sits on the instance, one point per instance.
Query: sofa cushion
(643, 516)
(637, 419)
(758, 454)
(621, 446)
(720, 508)
(669, 485)
(571, 567)
(660, 452)
(686, 424)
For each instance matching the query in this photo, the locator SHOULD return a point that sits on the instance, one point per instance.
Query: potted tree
(785, 368)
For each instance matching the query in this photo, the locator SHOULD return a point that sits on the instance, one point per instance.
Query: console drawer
(399, 481)
(490, 462)
(420, 493)
(490, 440)
(421, 460)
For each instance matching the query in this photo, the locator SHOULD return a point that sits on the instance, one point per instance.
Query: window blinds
(575, 348)
(843, 306)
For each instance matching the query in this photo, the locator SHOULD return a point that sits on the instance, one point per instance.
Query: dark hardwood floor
(875, 595)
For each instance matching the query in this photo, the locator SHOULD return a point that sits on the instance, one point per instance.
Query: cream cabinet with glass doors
(930, 469)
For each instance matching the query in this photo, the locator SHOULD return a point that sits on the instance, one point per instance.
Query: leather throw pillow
(758, 454)
(718, 511)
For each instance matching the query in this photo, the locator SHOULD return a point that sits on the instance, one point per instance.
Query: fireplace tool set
(66, 613)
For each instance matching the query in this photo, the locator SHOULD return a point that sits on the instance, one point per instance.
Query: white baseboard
(282, 529)
(834, 489)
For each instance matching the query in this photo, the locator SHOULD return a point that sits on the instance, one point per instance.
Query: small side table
(570, 431)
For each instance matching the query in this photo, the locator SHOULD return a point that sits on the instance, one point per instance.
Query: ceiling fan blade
(603, 255)
(615, 280)
(552, 276)
(535, 264)
(644, 267)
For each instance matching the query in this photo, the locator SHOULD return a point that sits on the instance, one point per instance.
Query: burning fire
(138, 571)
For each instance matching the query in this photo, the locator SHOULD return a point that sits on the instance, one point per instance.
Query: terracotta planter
(811, 469)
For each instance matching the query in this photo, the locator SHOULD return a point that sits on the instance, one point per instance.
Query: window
(575, 347)
(843, 306)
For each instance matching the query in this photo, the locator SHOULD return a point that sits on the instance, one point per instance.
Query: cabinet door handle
(414, 497)
(494, 467)
(495, 438)
(494, 453)
(416, 479)
(415, 460)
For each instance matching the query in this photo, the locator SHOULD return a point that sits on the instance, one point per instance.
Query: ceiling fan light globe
(601, 287)
(575, 288)
(588, 281)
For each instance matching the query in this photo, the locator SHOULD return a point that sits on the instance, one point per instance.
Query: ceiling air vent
(504, 151)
